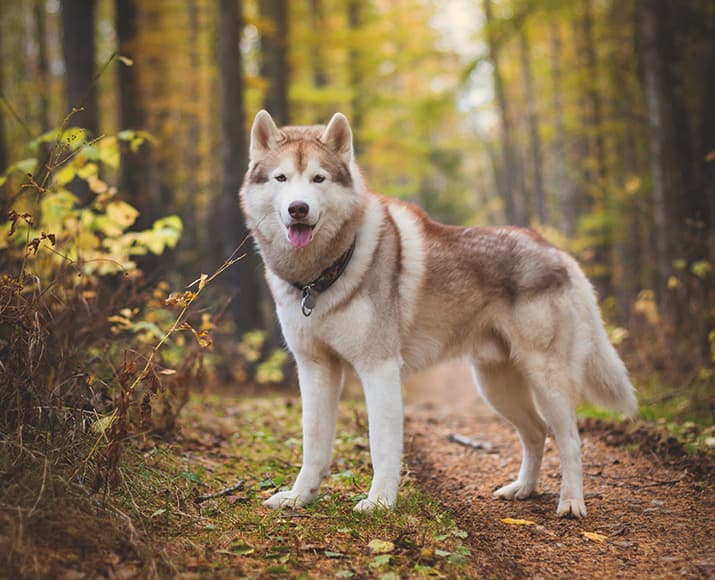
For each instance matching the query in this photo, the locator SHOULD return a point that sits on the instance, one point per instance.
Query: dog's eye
(281, 177)
(318, 178)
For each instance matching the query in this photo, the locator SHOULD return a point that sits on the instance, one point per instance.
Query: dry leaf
(516, 522)
(594, 537)
(380, 546)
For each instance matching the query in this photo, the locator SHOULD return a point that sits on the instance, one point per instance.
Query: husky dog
(373, 283)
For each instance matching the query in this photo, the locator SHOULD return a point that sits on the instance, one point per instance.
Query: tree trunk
(707, 151)
(658, 161)
(4, 157)
(592, 92)
(598, 184)
(563, 191)
(515, 211)
(78, 49)
(540, 204)
(242, 276)
(135, 165)
(357, 102)
(40, 18)
(274, 67)
(320, 77)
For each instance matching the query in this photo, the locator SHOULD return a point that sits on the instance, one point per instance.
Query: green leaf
(282, 569)
(242, 549)
(158, 512)
(23, 166)
(701, 268)
(380, 561)
(193, 477)
(47, 137)
(74, 137)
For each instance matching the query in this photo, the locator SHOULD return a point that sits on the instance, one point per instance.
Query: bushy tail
(606, 377)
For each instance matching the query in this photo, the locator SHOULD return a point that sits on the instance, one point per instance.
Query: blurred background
(592, 121)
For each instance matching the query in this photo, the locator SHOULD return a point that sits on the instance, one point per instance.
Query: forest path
(654, 517)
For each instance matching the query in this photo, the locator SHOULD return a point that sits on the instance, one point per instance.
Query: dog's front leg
(321, 382)
(383, 396)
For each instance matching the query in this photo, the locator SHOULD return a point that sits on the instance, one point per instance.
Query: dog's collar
(327, 278)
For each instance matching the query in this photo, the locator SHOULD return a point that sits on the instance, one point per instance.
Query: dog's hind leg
(321, 380)
(504, 388)
(555, 400)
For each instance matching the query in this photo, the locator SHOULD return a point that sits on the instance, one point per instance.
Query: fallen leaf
(380, 546)
(516, 522)
(594, 537)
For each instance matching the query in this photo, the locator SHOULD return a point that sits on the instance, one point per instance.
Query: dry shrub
(76, 386)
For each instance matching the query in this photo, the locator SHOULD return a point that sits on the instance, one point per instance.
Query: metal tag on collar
(307, 302)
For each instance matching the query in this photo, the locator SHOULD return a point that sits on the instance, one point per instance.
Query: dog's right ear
(264, 136)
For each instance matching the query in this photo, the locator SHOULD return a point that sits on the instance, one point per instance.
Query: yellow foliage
(594, 537)
(517, 522)
(646, 306)
(380, 546)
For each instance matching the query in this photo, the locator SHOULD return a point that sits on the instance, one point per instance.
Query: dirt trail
(658, 519)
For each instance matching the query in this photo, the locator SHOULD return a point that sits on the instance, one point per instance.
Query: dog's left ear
(339, 137)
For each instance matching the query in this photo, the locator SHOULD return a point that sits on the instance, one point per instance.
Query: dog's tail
(605, 376)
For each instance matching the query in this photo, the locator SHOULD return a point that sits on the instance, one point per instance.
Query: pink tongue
(300, 235)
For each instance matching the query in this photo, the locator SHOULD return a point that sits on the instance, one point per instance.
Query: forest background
(123, 137)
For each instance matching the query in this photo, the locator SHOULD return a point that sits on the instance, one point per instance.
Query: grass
(258, 440)
(684, 414)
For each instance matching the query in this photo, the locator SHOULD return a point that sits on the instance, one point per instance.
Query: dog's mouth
(300, 235)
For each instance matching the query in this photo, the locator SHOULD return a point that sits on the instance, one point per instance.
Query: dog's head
(302, 183)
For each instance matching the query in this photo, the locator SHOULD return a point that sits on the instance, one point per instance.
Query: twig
(224, 492)
(485, 446)
(644, 485)
(42, 490)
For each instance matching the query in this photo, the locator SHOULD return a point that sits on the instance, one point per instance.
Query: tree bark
(274, 67)
(234, 154)
(78, 49)
(320, 77)
(40, 18)
(357, 102)
(658, 161)
(563, 192)
(515, 211)
(540, 203)
(4, 157)
(135, 165)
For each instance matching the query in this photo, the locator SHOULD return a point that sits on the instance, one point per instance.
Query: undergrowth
(252, 447)
(89, 356)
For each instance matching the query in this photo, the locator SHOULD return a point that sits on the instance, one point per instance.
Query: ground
(651, 509)
(654, 516)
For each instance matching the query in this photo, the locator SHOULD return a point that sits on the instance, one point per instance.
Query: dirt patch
(654, 514)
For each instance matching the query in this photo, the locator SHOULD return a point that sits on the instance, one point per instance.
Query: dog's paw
(369, 505)
(515, 490)
(571, 508)
(285, 499)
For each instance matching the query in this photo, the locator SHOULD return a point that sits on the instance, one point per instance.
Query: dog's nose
(298, 209)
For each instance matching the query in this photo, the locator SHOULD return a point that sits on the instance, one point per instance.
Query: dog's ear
(264, 136)
(338, 137)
